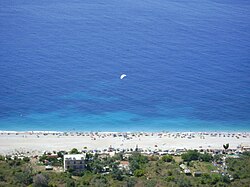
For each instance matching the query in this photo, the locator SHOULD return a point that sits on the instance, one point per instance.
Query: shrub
(184, 183)
(130, 182)
(2, 157)
(40, 180)
(150, 183)
(169, 173)
(246, 153)
(26, 159)
(99, 181)
(170, 178)
(139, 172)
(167, 158)
(23, 178)
(236, 176)
(2, 177)
(70, 183)
(215, 178)
(153, 158)
(225, 179)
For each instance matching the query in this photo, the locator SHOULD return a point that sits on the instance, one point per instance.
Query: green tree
(97, 166)
(118, 156)
(206, 157)
(226, 146)
(60, 154)
(42, 158)
(117, 174)
(190, 155)
(89, 161)
(137, 161)
(217, 158)
(74, 151)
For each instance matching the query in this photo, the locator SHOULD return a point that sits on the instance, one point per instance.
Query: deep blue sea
(187, 64)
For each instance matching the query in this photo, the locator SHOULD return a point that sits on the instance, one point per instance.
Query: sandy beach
(37, 142)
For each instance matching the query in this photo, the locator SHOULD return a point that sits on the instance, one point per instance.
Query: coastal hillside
(192, 168)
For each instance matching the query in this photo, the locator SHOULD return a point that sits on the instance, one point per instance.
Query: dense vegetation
(240, 170)
(195, 155)
(146, 171)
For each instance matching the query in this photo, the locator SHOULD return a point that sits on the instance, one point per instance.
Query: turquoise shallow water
(187, 65)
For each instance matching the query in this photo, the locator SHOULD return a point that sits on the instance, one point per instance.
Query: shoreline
(99, 131)
(37, 142)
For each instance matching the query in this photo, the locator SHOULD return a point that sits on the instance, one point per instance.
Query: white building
(75, 162)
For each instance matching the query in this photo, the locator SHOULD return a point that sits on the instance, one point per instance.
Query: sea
(187, 64)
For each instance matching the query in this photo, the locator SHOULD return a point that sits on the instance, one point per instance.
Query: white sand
(37, 143)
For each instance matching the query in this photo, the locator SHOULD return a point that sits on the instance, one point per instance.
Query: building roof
(48, 167)
(187, 171)
(52, 156)
(124, 163)
(75, 157)
(183, 166)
